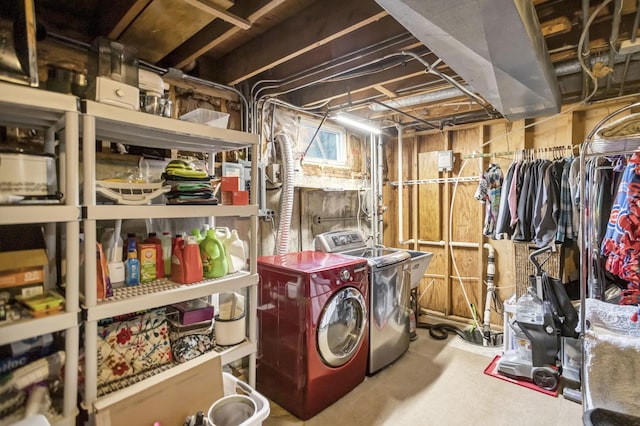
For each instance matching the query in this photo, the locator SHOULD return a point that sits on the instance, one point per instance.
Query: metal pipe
(585, 46)
(613, 39)
(318, 220)
(431, 69)
(407, 114)
(634, 31)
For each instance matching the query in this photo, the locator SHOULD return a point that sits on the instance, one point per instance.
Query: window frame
(312, 125)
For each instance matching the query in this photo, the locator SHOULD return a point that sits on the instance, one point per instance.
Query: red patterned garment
(621, 245)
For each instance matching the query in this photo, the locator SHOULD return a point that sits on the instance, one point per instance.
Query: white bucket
(231, 410)
(229, 331)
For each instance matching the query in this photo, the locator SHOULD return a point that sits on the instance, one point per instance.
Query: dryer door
(341, 327)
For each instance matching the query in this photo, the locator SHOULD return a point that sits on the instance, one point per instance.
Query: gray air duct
(495, 45)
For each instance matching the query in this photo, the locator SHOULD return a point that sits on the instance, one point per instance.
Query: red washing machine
(313, 332)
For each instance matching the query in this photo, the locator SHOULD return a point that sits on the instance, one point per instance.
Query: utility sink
(419, 262)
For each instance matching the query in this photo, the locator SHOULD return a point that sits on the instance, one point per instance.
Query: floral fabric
(132, 346)
(621, 244)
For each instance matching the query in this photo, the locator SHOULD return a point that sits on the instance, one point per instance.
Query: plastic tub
(234, 386)
(208, 117)
(419, 262)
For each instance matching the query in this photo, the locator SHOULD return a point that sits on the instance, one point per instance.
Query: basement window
(329, 145)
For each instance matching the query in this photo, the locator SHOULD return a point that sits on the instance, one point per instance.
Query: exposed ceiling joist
(118, 15)
(383, 76)
(218, 12)
(364, 44)
(218, 32)
(296, 36)
(390, 94)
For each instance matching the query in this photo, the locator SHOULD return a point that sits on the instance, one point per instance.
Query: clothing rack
(530, 153)
(598, 318)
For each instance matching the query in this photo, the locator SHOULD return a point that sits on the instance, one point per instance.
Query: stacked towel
(188, 184)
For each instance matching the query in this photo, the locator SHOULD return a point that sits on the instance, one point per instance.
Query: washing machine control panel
(339, 241)
(345, 275)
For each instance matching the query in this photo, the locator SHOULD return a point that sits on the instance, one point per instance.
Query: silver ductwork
(496, 46)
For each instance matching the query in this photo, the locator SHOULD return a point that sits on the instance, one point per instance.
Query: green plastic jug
(214, 257)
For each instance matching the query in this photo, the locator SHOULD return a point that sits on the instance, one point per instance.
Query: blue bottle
(132, 265)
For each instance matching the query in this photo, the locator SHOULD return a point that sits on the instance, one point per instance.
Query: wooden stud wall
(440, 291)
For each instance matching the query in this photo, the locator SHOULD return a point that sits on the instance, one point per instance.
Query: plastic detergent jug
(177, 260)
(214, 258)
(166, 252)
(192, 261)
(195, 232)
(153, 239)
(529, 308)
(236, 256)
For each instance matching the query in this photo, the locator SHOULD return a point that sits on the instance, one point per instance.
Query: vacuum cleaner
(543, 315)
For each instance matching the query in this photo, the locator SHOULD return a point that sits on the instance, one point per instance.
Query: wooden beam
(561, 25)
(296, 36)
(116, 16)
(376, 76)
(380, 88)
(365, 44)
(218, 12)
(218, 32)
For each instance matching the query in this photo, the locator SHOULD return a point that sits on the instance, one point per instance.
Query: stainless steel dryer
(389, 294)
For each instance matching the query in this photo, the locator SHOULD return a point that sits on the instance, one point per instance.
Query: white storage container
(206, 116)
(234, 386)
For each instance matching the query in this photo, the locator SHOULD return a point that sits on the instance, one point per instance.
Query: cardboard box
(22, 267)
(236, 198)
(232, 183)
(23, 258)
(168, 401)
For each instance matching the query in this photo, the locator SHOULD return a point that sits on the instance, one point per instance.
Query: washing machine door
(341, 328)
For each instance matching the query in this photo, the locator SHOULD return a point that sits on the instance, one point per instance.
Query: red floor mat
(492, 370)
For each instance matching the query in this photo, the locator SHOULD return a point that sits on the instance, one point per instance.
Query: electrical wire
(581, 56)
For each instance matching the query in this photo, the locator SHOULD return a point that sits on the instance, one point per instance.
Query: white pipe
(380, 167)
(373, 207)
(401, 239)
(440, 243)
(491, 288)
(463, 244)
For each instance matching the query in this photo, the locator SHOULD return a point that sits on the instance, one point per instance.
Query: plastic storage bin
(234, 386)
(206, 116)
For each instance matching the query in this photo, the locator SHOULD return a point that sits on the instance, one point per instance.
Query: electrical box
(242, 170)
(445, 161)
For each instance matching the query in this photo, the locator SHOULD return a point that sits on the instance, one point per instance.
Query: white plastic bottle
(529, 308)
(111, 244)
(166, 252)
(235, 252)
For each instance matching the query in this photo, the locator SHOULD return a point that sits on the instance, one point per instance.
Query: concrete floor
(440, 383)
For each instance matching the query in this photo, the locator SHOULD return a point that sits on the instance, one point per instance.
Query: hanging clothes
(504, 228)
(547, 204)
(621, 244)
(565, 221)
(574, 188)
(489, 190)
